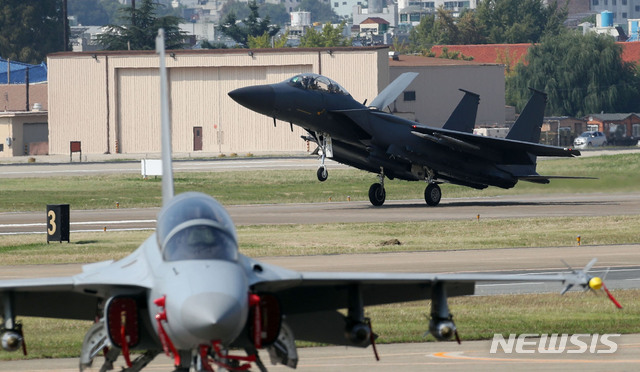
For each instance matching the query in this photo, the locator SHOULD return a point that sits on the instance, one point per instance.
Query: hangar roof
(414, 61)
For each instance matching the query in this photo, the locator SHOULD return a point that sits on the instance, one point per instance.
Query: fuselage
(366, 138)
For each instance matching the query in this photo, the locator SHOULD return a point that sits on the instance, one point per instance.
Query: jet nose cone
(214, 316)
(259, 98)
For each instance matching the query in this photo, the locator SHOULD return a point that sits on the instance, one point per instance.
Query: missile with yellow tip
(595, 283)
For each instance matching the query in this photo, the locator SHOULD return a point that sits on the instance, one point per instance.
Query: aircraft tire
(432, 194)
(377, 194)
(322, 174)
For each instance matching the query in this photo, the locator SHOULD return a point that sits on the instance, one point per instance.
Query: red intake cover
(119, 309)
(271, 319)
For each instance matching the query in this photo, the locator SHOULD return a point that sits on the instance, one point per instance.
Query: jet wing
(492, 148)
(309, 301)
(322, 291)
(75, 297)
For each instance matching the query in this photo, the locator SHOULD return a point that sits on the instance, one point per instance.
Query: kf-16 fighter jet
(188, 292)
(368, 138)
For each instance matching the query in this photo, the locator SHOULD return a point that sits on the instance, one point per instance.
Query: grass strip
(616, 173)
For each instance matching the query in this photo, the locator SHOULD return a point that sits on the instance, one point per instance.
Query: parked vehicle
(590, 139)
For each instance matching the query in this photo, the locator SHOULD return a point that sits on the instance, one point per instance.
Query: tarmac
(427, 356)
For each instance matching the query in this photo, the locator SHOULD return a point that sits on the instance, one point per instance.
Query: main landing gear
(432, 194)
(377, 194)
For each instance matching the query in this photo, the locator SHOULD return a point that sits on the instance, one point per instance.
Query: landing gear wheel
(323, 174)
(377, 194)
(432, 194)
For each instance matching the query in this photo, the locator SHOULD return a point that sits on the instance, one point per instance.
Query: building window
(344, 3)
(624, 15)
(403, 18)
(1, 147)
(624, 2)
(606, 2)
(637, 8)
(410, 95)
(335, 5)
(614, 2)
(595, 2)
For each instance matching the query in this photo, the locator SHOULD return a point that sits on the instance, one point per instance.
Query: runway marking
(457, 355)
(81, 231)
(120, 222)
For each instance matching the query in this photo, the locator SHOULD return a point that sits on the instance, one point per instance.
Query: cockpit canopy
(194, 226)
(317, 82)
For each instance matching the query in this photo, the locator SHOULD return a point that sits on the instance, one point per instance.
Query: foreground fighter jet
(370, 139)
(188, 292)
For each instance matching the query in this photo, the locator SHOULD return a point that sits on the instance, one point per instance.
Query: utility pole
(65, 25)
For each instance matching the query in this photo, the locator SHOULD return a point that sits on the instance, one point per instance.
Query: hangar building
(109, 100)
(435, 92)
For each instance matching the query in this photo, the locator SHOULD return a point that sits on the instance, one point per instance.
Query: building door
(197, 138)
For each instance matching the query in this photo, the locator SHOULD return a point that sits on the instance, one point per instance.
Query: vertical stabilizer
(463, 117)
(528, 125)
(167, 170)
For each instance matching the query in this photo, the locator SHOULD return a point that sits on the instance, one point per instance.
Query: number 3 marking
(52, 222)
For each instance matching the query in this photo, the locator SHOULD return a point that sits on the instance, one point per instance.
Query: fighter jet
(188, 292)
(370, 139)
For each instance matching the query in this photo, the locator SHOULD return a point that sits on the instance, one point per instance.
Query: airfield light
(578, 239)
(348, 198)
(117, 204)
(105, 229)
(478, 217)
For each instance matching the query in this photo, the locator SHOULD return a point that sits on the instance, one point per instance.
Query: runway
(517, 206)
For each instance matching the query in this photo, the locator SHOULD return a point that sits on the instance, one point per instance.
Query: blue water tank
(606, 18)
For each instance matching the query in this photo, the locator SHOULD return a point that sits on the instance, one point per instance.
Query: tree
(519, 21)
(327, 37)
(253, 26)
(580, 74)
(277, 13)
(93, 12)
(471, 31)
(141, 28)
(30, 30)
(265, 41)
(420, 37)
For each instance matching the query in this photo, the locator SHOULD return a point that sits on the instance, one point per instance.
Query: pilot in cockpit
(196, 227)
